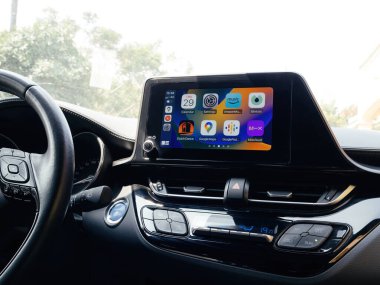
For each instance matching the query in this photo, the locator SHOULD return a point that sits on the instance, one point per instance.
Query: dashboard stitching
(97, 124)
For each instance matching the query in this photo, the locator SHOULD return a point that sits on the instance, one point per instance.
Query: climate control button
(310, 242)
(289, 240)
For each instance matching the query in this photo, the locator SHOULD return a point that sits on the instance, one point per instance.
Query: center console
(243, 170)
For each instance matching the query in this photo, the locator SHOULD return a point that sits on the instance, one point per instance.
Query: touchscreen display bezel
(153, 110)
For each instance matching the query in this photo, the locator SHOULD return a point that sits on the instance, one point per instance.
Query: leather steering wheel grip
(52, 171)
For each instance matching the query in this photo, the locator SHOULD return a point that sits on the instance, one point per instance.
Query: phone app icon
(166, 127)
(255, 128)
(233, 100)
(186, 128)
(208, 127)
(231, 128)
(188, 101)
(210, 100)
(256, 100)
(168, 118)
(168, 109)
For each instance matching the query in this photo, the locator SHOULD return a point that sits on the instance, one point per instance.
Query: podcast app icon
(208, 128)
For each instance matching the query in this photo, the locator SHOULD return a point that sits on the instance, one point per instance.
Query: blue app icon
(233, 100)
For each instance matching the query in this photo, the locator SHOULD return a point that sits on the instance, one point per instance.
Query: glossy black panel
(231, 236)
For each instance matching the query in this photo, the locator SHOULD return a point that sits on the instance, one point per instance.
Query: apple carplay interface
(229, 118)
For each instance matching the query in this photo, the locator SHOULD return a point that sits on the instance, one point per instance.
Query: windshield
(97, 54)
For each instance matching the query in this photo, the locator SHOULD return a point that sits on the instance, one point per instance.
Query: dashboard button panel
(165, 221)
(312, 237)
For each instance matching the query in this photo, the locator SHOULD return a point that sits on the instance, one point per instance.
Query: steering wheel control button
(116, 212)
(12, 168)
(299, 229)
(310, 242)
(178, 228)
(321, 230)
(6, 190)
(160, 214)
(289, 240)
(147, 213)
(6, 151)
(149, 226)
(18, 153)
(163, 226)
(176, 216)
(25, 193)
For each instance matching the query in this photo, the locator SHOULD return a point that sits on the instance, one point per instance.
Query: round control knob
(148, 145)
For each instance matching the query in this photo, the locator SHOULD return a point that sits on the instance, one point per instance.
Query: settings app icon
(210, 100)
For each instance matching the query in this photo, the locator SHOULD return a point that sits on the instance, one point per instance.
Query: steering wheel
(46, 178)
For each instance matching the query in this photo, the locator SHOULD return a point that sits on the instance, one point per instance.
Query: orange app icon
(186, 128)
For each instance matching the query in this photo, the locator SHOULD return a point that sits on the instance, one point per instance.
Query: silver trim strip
(280, 194)
(101, 158)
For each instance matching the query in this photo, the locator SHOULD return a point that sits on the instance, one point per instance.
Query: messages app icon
(233, 100)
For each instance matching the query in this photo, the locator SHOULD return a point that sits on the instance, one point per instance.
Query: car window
(98, 54)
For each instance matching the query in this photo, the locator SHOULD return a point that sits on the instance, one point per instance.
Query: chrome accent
(280, 194)
(107, 218)
(102, 146)
(347, 249)
(193, 189)
(151, 143)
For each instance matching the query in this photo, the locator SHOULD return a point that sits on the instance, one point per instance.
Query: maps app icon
(208, 128)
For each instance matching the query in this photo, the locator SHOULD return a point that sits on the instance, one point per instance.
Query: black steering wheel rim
(52, 171)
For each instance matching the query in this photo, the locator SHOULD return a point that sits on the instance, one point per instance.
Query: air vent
(194, 190)
(286, 194)
(299, 194)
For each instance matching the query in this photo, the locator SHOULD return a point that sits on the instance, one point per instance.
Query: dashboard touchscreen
(236, 118)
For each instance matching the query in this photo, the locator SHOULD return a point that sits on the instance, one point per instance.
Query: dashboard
(223, 179)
